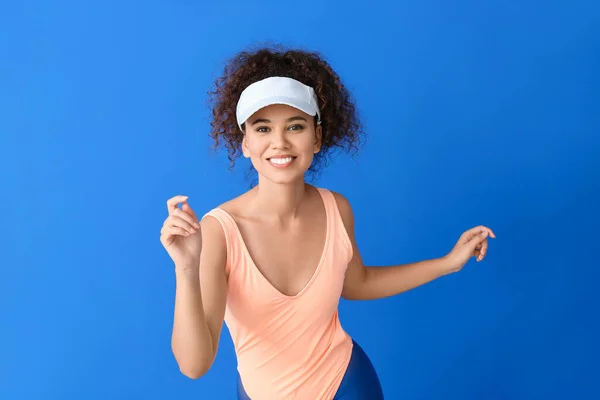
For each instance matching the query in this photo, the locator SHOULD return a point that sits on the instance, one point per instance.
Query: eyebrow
(267, 121)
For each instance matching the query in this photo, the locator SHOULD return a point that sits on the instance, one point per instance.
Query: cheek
(306, 143)
(255, 147)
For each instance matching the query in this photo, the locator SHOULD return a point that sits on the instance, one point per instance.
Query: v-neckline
(258, 271)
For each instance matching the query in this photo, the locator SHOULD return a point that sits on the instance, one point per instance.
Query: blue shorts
(360, 381)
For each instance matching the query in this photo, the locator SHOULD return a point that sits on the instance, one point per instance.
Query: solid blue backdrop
(476, 113)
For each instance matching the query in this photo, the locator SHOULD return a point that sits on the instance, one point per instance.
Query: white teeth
(281, 161)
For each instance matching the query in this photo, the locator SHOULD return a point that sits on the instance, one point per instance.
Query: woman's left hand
(472, 243)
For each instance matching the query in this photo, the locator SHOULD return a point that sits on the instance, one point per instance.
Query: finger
(186, 208)
(177, 221)
(168, 231)
(490, 233)
(472, 233)
(468, 234)
(187, 217)
(482, 250)
(477, 240)
(484, 247)
(175, 231)
(174, 201)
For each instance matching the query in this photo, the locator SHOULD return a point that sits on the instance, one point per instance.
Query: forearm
(191, 340)
(380, 282)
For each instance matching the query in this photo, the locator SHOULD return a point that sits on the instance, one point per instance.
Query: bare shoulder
(234, 207)
(212, 231)
(214, 242)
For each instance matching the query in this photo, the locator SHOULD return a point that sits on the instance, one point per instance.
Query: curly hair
(341, 127)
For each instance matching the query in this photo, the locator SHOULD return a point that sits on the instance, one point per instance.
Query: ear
(245, 150)
(318, 138)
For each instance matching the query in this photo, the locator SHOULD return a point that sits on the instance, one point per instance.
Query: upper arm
(356, 272)
(213, 278)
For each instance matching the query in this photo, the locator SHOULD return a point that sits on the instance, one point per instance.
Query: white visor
(276, 90)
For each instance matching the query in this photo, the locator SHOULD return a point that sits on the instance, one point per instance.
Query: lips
(281, 161)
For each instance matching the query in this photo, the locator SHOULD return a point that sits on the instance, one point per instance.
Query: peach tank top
(288, 347)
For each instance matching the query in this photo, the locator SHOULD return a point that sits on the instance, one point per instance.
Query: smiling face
(281, 142)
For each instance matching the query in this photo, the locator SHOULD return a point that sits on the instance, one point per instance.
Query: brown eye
(296, 127)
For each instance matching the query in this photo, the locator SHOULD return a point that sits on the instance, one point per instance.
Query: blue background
(478, 112)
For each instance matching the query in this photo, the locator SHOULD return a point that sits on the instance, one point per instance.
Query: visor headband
(276, 90)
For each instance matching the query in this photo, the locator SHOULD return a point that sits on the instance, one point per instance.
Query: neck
(278, 201)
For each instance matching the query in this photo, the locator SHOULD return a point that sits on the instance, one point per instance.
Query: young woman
(273, 262)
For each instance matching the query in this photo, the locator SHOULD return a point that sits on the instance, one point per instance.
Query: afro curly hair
(341, 127)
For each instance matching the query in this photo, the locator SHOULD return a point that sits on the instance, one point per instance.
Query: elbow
(193, 371)
(193, 367)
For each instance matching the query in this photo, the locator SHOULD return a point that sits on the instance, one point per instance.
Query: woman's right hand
(181, 235)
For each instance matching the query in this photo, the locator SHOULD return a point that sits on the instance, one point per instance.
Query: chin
(281, 179)
(281, 176)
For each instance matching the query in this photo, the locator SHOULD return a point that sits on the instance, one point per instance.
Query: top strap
(229, 229)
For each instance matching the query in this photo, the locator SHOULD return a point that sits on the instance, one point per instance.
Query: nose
(279, 139)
